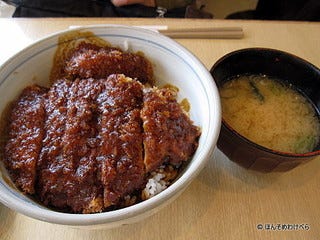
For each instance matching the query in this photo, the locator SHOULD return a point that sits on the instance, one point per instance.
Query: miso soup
(270, 113)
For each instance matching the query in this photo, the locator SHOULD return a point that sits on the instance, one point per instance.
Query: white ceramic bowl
(172, 64)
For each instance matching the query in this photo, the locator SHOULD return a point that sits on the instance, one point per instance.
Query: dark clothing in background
(62, 8)
(298, 10)
(98, 8)
(84, 8)
(308, 10)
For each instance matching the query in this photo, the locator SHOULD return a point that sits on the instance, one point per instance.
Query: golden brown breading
(91, 61)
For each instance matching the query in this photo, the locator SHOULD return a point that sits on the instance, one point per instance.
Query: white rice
(155, 185)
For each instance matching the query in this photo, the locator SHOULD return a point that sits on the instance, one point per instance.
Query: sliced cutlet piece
(120, 160)
(25, 135)
(91, 61)
(69, 177)
(169, 134)
(51, 165)
(84, 190)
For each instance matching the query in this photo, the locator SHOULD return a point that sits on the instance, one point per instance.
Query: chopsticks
(195, 33)
(205, 33)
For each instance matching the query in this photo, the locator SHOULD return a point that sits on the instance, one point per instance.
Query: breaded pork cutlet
(91, 61)
(169, 134)
(67, 165)
(121, 149)
(94, 139)
(26, 130)
(83, 146)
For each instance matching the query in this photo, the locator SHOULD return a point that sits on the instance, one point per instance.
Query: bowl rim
(256, 49)
(248, 141)
(143, 207)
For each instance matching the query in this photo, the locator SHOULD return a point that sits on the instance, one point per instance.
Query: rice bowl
(32, 65)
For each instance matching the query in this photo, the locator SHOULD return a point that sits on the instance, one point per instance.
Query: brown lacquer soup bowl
(289, 70)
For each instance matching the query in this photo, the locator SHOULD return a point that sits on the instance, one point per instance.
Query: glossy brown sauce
(67, 44)
(85, 144)
(90, 61)
(25, 137)
(169, 135)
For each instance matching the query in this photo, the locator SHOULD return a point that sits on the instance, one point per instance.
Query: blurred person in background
(109, 8)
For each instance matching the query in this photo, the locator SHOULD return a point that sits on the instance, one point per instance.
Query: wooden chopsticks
(194, 33)
(205, 33)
